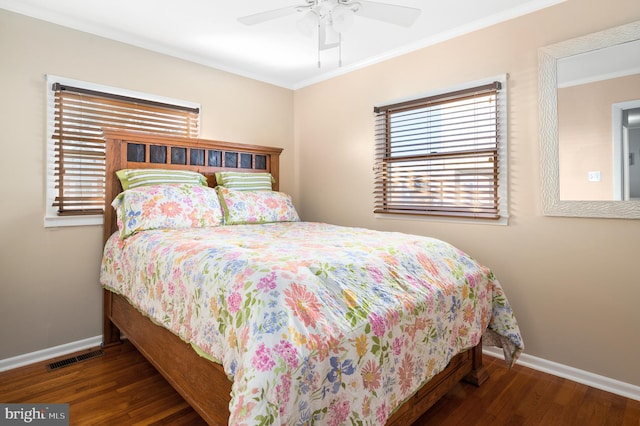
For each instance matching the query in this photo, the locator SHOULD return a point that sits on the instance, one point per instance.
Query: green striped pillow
(134, 178)
(245, 181)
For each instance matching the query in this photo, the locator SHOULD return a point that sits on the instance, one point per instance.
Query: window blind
(79, 147)
(439, 155)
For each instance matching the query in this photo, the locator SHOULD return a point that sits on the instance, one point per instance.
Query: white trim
(597, 381)
(51, 78)
(617, 387)
(596, 78)
(621, 149)
(49, 353)
(503, 221)
(84, 220)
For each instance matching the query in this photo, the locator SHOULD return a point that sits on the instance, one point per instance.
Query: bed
(293, 336)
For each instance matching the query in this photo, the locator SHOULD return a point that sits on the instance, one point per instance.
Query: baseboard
(580, 376)
(49, 353)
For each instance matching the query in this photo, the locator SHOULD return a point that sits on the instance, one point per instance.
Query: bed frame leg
(479, 373)
(110, 333)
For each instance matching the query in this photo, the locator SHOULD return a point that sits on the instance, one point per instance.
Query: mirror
(589, 150)
(599, 124)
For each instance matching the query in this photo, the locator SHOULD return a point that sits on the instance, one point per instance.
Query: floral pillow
(256, 206)
(168, 206)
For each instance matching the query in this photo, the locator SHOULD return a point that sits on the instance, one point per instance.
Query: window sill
(62, 221)
(503, 221)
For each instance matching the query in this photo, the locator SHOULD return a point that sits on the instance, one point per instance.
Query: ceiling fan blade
(391, 13)
(261, 17)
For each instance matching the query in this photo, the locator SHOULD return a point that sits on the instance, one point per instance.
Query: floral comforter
(313, 322)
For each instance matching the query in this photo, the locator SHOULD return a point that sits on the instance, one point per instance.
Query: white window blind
(440, 155)
(76, 146)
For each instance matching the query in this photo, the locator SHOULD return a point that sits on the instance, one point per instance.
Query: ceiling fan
(332, 17)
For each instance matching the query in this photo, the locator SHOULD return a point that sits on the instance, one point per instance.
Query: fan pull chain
(339, 44)
(339, 50)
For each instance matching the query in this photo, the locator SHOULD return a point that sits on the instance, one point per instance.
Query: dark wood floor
(122, 388)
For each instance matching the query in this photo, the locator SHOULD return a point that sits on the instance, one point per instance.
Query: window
(443, 155)
(77, 113)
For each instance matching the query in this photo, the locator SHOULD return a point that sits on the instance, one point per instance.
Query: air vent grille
(74, 360)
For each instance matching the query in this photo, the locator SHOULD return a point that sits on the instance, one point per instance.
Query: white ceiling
(208, 32)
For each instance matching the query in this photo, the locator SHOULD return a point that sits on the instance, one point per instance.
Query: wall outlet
(593, 176)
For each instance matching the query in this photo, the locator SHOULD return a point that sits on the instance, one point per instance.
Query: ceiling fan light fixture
(330, 18)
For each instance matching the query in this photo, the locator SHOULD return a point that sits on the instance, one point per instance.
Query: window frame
(502, 151)
(51, 216)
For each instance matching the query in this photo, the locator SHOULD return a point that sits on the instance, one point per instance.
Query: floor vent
(74, 360)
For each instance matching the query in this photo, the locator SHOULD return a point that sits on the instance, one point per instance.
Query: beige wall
(49, 292)
(585, 134)
(573, 282)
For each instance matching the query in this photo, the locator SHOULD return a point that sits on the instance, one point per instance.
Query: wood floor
(122, 388)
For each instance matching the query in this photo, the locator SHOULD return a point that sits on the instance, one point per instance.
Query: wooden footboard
(205, 386)
(466, 366)
(202, 383)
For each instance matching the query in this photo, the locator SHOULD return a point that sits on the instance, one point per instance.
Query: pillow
(169, 206)
(133, 178)
(245, 181)
(242, 207)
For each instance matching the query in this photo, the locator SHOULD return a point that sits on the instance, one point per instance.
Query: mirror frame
(548, 57)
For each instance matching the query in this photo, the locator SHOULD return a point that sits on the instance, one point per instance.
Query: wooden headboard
(137, 150)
